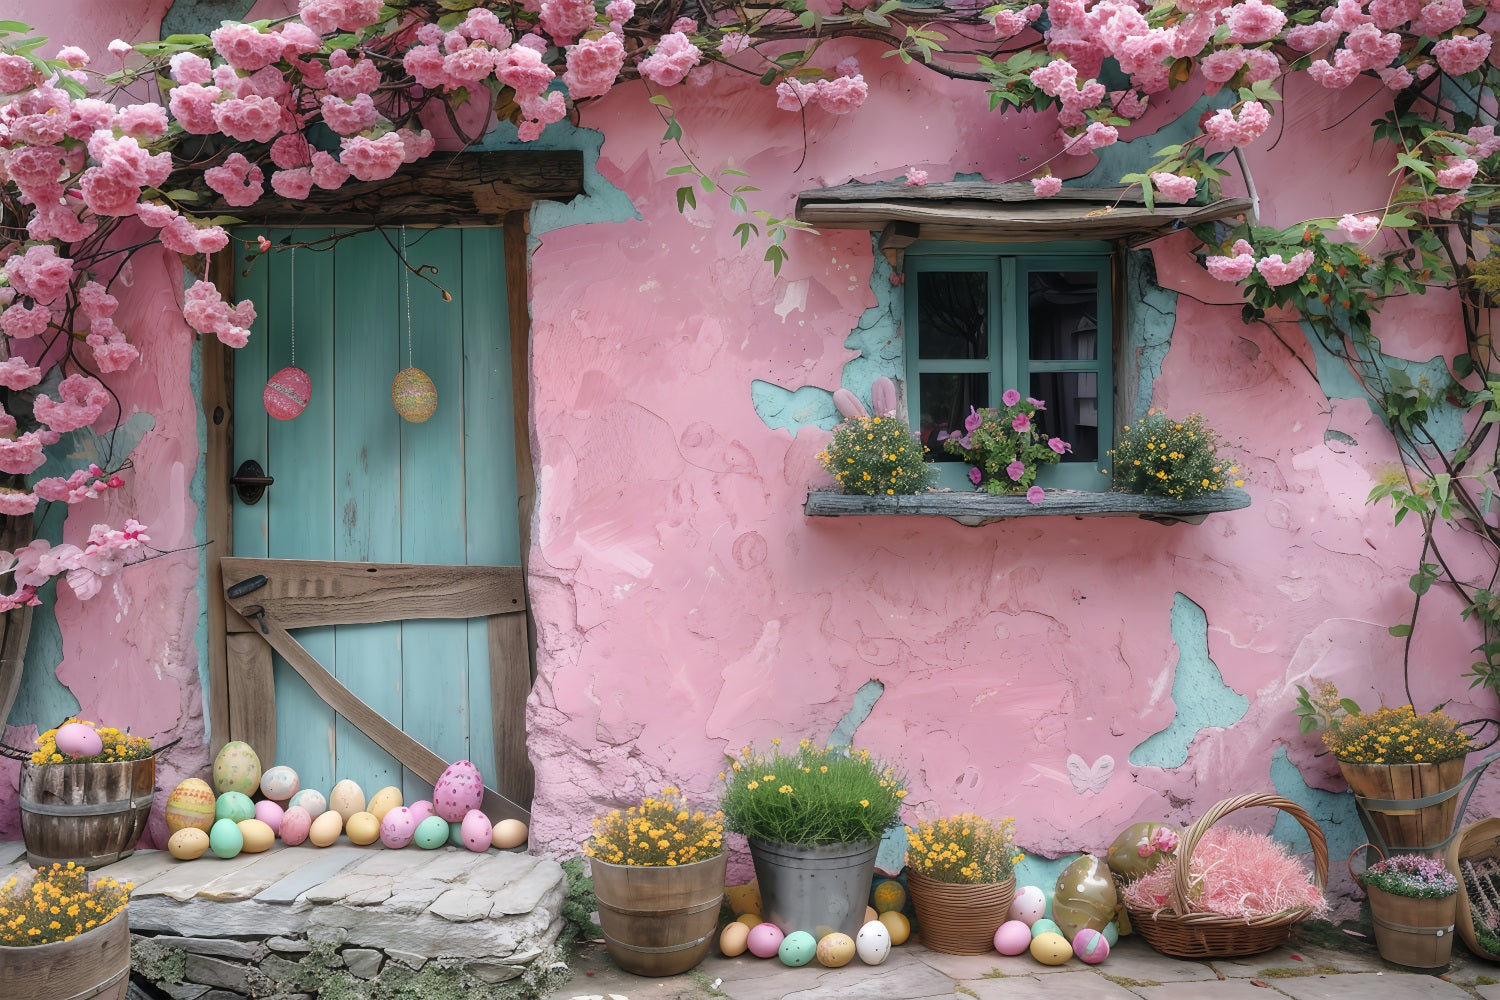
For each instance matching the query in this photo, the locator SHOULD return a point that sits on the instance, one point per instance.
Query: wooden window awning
(1000, 213)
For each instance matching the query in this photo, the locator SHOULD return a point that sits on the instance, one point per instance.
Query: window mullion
(1007, 330)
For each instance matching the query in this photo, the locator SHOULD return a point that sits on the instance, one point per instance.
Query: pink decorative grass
(1235, 873)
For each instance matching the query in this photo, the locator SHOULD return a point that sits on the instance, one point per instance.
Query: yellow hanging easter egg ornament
(414, 395)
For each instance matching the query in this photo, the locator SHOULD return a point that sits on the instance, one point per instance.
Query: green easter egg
(1112, 933)
(234, 805)
(1044, 926)
(1124, 856)
(432, 833)
(1084, 897)
(456, 834)
(797, 948)
(225, 838)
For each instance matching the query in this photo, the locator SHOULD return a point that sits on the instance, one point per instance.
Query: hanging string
(294, 305)
(406, 274)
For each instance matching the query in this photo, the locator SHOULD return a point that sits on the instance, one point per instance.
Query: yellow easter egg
(191, 804)
(384, 801)
(835, 950)
(258, 835)
(346, 799)
(897, 924)
(188, 843)
(732, 939)
(889, 895)
(363, 828)
(237, 769)
(414, 395)
(749, 920)
(508, 833)
(1051, 948)
(743, 899)
(326, 828)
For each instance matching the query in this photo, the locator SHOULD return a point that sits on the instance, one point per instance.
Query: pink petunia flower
(1010, 397)
(1059, 445)
(975, 475)
(1016, 470)
(973, 421)
(1021, 423)
(1035, 495)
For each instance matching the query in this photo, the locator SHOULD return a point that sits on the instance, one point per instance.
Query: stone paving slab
(1132, 958)
(249, 881)
(1072, 986)
(1229, 989)
(1365, 985)
(324, 864)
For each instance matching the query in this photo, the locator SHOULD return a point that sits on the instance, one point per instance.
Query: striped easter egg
(414, 395)
(287, 393)
(191, 805)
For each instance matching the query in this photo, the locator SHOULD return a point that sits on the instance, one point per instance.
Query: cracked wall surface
(685, 606)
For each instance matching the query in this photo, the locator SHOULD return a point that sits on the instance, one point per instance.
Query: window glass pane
(1063, 307)
(1072, 411)
(946, 398)
(953, 314)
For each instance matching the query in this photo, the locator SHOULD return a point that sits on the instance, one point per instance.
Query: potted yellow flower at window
(63, 936)
(658, 870)
(960, 872)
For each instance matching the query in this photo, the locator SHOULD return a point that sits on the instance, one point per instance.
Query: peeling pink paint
(685, 606)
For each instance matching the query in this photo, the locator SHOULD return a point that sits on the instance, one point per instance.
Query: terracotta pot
(95, 964)
(956, 918)
(659, 921)
(1400, 827)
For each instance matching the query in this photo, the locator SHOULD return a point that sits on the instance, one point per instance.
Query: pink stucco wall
(684, 604)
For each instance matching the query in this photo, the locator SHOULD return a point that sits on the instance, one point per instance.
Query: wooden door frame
(471, 189)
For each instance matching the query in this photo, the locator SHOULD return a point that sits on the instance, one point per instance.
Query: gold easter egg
(384, 801)
(414, 395)
(187, 844)
(326, 829)
(732, 939)
(258, 835)
(363, 828)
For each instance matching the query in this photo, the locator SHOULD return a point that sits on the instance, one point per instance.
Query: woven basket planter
(957, 918)
(1477, 843)
(1179, 930)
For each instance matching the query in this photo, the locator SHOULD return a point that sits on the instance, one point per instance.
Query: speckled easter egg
(296, 824)
(764, 939)
(191, 805)
(237, 769)
(287, 393)
(256, 835)
(1085, 897)
(234, 805)
(225, 839)
(1012, 938)
(1051, 949)
(1091, 946)
(1044, 926)
(78, 740)
(797, 949)
(279, 783)
(325, 828)
(270, 813)
(898, 926)
(414, 395)
(398, 827)
(475, 831)
(421, 809)
(311, 800)
(508, 833)
(873, 943)
(458, 790)
(888, 895)
(1029, 906)
(384, 801)
(732, 939)
(187, 844)
(835, 950)
(431, 834)
(362, 829)
(346, 799)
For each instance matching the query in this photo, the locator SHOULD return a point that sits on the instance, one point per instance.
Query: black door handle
(250, 481)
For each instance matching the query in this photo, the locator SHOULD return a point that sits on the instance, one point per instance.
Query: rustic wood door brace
(272, 595)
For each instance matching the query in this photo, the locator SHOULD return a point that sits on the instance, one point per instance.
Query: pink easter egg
(458, 790)
(1013, 938)
(270, 813)
(475, 831)
(421, 809)
(764, 940)
(77, 740)
(398, 827)
(287, 393)
(296, 822)
(1029, 906)
(1091, 946)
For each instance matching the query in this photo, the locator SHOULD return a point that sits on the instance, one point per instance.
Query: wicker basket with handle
(1178, 930)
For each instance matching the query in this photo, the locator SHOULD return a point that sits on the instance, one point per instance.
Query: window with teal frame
(983, 318)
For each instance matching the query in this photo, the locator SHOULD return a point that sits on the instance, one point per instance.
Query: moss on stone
(707, 985)
(1278, 972)
(1129, 983)
(157, 962)
(960, 988)
(579, 905)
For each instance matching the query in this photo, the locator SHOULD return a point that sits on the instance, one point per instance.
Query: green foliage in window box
(877, 456)
(1006, 446)
(1160, 456)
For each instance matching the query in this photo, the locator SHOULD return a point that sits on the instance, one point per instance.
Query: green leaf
(682, 168)
(1307, 725)
(1399, 631)
(1349, 706)
(686, 198)
(14, 26)
(876, 18)
(662, 101)
(706, 183)
(1420, 583)
(673, 132)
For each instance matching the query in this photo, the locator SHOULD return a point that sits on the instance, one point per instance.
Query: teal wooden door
(356, 483)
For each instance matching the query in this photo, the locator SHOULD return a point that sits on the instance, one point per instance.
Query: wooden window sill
(974, 508)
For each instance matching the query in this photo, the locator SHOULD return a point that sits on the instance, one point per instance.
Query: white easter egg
(346, 799)
(873, 943)
(279, 783)
(1029, 906)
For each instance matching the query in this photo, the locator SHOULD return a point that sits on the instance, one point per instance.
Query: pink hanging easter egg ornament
(287, 393)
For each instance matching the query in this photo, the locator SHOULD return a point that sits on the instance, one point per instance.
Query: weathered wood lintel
(976, 508)
(455, 189)
(303, 593)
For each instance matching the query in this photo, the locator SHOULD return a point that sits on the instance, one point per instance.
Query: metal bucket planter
(959, 918)
(95, 965)
(815, 889)
(91, 814)
(659, 921)
(1417, 933)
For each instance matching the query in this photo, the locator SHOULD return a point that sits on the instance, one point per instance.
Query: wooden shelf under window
(974, 508)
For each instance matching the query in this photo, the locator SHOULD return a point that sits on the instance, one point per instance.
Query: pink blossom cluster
(673, 57)
(1225, 127)
(1173, 188)
(838, 96)
(106, 552)
(206, 311)
(1241, 261)
(1060, 80)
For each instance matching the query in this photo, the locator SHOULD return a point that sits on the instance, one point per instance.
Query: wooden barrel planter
(1417, 933)
(959, 919)
(1401, 827)
(92, 814)
(95, 965)
(659, 921)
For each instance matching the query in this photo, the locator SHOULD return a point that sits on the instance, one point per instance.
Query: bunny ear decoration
(848, 404)
(883, 398)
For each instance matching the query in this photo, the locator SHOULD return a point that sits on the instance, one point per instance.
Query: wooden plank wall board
(366, 469)
(218, 415)
(490, 476)
(308, 592)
